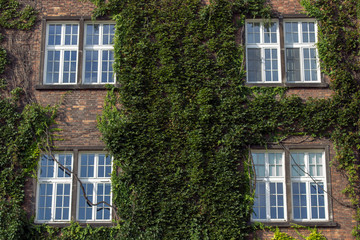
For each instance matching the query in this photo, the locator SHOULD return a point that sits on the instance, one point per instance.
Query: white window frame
(308, 180)
(301, 45)
(267, 179)
(287, 175)
(55, 180)
(62, 48)
(262, 46)
(100, 48)
(95, 180)
(80, 53)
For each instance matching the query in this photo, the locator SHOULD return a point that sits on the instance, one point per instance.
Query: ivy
(181, 123)
(182, 120)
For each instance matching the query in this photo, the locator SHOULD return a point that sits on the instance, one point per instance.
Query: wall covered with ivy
(182, 122)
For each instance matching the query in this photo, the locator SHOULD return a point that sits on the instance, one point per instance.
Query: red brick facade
(80, 107)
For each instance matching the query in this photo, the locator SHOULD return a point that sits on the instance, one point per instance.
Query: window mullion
(53, 201)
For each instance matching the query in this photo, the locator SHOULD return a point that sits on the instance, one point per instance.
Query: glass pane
(270, 33)
(107, 70)
(91, 66)
(254, 65)
(253, 32)
(92, 34)
(293, 64)
(85, 210)
(291, 32)
(259, 164)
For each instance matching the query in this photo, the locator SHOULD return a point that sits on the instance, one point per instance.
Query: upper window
(300, 51)
(307, 188)
(63, 53)
(263, 52)
(55, 187)
(263, 55)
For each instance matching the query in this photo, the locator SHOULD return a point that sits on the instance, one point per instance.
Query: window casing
(55, 201)
(299, 58)
(279, 174)
(65, 49)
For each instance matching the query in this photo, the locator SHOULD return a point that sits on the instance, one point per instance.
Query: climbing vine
(21, 132)
(180, 124)
(182, 121)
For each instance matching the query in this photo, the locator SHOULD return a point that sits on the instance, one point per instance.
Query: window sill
(306, 224)
(289, 85)
(74, 87)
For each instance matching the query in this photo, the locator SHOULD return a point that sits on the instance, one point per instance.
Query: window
(300, 51)
(95, 173)
(55, 187)
(263, 52)
(53, 203)
(270, 186)
(263, 55)
(307, 174)
(308, 197)
(63, 53)
(99, 54)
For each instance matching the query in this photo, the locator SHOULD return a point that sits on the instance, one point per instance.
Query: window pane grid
(271, 65)
(71, 34)
(85, 210)
(99, 166)
(276, 201)
(107, 74)
(91, 66)
(62, 209)
(253, 32)
(308, 201)
(299, 200)
(270, 32)
(70, 62)
(47, 167)
(103, 194)
(291, 32)
(262, 52)
(300, 52)
(104, 166)
(66, 161)
(108, 33)
(308, 196)
(92, 34)
(310, 64)
(45, 201)
(269, 191)
(61, 54)
(53, 67)
(54, 36)
(308, 32)
(53, 198)
(259, 208)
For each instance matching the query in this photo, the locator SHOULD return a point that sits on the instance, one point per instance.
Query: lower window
(306, 170)
(55, 187)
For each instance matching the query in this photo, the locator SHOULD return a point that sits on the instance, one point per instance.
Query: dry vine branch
(328, 193)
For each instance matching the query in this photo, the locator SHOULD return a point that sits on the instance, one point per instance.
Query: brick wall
(79, 108)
